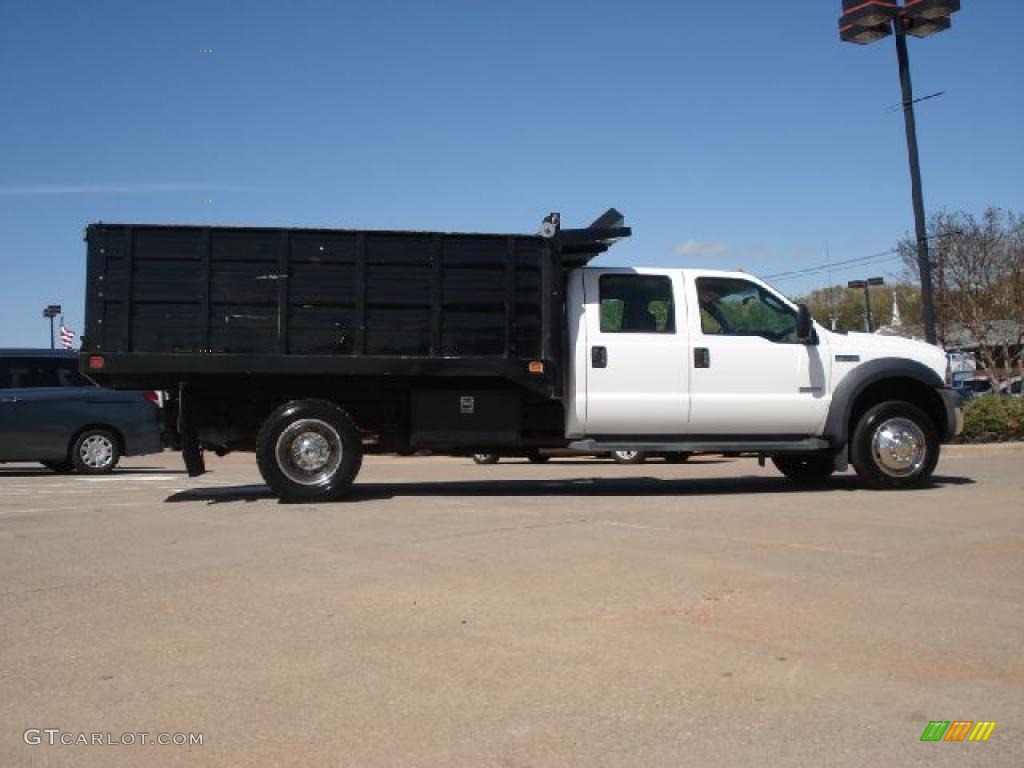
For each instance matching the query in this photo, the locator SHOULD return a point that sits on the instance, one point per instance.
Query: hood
(871, 346)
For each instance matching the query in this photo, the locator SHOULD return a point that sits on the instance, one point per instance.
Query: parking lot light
(866, 285)
(866, 21)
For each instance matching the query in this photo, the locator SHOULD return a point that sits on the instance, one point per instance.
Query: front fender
(837, 423)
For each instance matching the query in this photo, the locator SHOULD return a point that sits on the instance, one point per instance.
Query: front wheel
(485, 458)
(95, 452)
(538, 458)
(628, 457)
(810, 468)
(894, 445)
(309, 450)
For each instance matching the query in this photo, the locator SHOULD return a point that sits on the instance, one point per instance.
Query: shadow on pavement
(560, 462)
(627, 486)
(44, 472)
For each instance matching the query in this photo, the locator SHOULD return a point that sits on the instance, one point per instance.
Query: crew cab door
(750, 375)
(635, 354)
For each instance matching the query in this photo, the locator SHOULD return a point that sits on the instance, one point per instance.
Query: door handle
(701, 357)
(599, 357)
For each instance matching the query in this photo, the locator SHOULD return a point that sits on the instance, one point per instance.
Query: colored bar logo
(958, 730)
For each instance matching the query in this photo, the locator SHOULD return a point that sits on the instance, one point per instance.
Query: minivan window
(33, 372)
(636, 304)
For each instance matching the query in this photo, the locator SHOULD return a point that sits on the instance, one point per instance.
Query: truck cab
(692, 359)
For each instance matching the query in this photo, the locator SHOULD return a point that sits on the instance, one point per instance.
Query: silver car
(51, 413)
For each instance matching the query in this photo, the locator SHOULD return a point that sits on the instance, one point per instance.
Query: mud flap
(188, 430)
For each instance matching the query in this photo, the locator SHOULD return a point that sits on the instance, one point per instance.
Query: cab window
(637, 304)
(735, 307)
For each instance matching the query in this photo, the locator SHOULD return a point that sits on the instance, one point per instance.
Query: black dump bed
(164, 303)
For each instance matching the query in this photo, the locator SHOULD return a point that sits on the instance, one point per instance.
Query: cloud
(36, 190)
(715, 251)
(701, 248)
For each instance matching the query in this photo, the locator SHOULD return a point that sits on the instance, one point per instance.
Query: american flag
(67, 336)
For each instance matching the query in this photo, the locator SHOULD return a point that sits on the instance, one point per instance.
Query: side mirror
(804, 325)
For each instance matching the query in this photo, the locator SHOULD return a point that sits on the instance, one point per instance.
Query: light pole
(864, 22)
(866, 285)
(51, 311)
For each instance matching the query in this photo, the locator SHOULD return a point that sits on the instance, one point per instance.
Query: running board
(701, 445)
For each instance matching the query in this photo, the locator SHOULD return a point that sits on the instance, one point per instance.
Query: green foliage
(994, 419)
(612, 310)
(611, 315)
(659, 308)
(846, 305)
(754, 316)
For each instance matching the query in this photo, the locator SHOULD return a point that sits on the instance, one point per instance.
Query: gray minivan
(51, 413)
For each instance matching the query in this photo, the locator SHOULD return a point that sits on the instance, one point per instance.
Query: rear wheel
(309, 450)
(628, 457)
(485, 458)
(538, 458)
(95, 452)
(894, 445)
(806, 468)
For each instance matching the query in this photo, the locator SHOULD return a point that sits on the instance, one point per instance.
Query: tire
(538, 458)
(629, 457)
(677, 457)
(60, 467)
(485, 458)
(894, 445)
(309, 450)
(807, 468)
(95, 452)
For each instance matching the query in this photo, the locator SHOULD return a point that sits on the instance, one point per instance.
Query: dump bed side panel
(257, 295)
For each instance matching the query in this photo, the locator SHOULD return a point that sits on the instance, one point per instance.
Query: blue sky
(730, 133)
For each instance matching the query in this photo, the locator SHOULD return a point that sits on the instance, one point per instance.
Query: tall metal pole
(924, 263)
(51, 333)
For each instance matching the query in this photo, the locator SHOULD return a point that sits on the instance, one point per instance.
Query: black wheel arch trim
(837, 423)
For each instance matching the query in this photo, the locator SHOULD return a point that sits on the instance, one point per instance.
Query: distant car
(1014, 387)
(977, 385)
(966, 393)
(51, 413)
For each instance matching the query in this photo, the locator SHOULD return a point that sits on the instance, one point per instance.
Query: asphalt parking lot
(576, 613)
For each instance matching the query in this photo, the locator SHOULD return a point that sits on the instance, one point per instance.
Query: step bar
(699, 445)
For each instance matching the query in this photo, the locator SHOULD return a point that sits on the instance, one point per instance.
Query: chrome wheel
(899, 447)
(96, 451)
(309, 452)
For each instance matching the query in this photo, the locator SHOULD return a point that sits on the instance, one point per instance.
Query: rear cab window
(637, 304)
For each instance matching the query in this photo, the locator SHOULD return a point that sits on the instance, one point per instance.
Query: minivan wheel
(485, 458)
(309, 450)
(894, 445)
(628, 457)
(808, 468)
(95, 452)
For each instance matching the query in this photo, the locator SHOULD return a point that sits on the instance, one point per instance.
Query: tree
(978, 282)
(846, 305)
